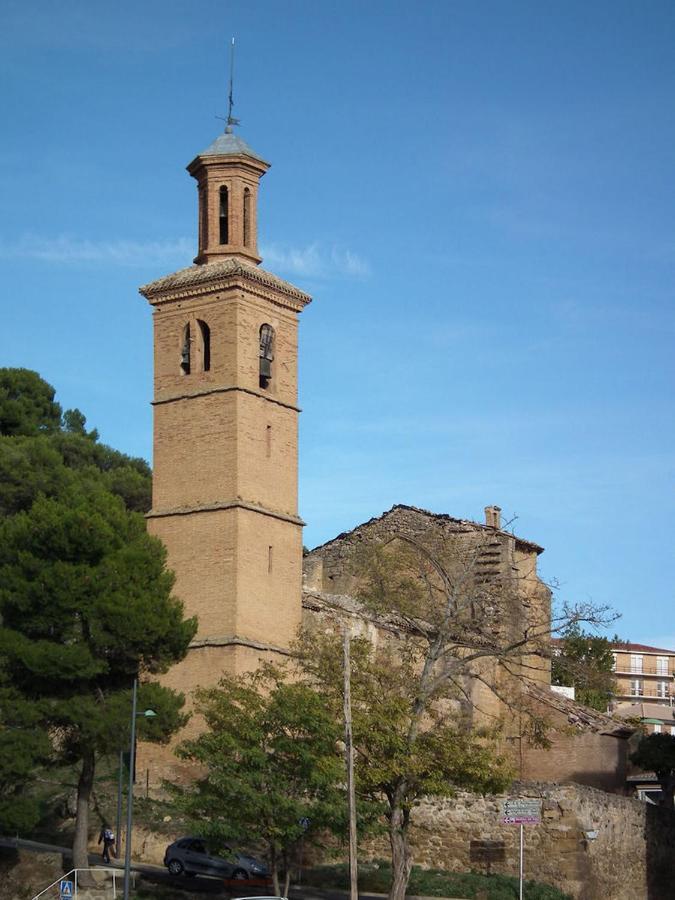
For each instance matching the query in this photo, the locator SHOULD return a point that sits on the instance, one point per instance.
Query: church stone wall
(588, 757)
(585, 746)
(484, 555)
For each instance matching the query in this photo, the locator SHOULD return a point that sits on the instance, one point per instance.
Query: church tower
(226, 429)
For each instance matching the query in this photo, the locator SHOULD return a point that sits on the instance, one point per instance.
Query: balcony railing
(627, 670)
(645, 692)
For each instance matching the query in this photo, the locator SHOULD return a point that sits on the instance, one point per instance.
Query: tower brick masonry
(225, 430)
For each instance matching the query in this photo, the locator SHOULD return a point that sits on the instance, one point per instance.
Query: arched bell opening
(266, 354)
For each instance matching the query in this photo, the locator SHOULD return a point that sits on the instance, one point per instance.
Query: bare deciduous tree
(470, 623)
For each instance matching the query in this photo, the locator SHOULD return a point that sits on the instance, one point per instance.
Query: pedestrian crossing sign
(66, 890)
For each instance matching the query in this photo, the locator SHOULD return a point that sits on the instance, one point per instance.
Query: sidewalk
(202, 884)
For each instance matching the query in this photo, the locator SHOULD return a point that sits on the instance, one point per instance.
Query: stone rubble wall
(631, 858)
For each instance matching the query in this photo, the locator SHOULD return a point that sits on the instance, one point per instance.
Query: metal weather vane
(231, 121)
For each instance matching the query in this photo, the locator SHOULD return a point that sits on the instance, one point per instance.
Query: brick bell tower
(226, 429)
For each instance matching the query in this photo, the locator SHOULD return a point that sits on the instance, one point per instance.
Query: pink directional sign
(521, 812)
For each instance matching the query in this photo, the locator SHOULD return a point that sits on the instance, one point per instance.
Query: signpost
(65, 890)
(521, 812)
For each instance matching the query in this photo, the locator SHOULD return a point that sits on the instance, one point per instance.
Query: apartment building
(643, 673)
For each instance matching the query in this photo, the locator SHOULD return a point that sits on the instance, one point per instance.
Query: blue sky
(479, 196)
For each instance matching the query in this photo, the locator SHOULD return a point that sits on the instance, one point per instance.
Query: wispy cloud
(312, 261)
(316, 261)
(66, 249)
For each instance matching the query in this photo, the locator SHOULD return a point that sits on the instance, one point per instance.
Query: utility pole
(118, 822)
(130, 796)
(349, 754)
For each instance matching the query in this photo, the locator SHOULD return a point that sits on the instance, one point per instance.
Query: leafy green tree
(272, 770)
(86, 605)
(656, 753)
(24, 747)
(585, 662)
(43, 452)
(27, 405)
(86, 600)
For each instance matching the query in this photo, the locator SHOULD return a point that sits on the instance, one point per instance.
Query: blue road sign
(66, 890)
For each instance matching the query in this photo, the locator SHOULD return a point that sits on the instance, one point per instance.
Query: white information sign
(521, 812)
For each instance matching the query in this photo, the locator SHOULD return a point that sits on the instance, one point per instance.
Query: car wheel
(175, 867)
(240, 875)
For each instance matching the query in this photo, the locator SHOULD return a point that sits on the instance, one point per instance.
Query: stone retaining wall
(632, 857)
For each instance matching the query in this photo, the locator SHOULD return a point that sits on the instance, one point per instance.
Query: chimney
(493, 516)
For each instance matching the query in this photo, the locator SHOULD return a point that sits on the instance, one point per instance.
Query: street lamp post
(148, 714)
(118, 820)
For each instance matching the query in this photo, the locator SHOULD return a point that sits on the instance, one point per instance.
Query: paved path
(200, 885)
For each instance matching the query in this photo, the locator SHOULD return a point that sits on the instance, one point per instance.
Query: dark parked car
(193, 856)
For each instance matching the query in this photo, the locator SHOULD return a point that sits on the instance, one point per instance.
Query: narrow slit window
(205, 335)
(223, 216)
(268, 441)
(269, 560)
(247, 217)
(185, 351)
(266, 354)
(203, 219)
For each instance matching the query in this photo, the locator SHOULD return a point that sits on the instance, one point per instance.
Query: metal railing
(117, 879)
(653, 695)
(629, 670)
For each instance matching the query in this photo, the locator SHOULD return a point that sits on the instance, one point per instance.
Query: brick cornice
(216, 507)
(182, 395)
(233, 640)
(200, 280)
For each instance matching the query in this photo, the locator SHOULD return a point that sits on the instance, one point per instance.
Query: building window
(205, 339)
(268, 441)
(662, 689)
(661, 665)
(203, 219)
(613, 662)
(636, 687)
(185, 351)
(657, 728)
(223, 213)
(636, 662)
(269, 560)
(266, 354)
(247, 217)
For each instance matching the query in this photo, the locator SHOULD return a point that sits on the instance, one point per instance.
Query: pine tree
(86, 600)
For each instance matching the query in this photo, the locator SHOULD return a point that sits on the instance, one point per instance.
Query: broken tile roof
(580, 717)
(437, 517)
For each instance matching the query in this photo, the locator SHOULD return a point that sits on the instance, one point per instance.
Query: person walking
(107, 838)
